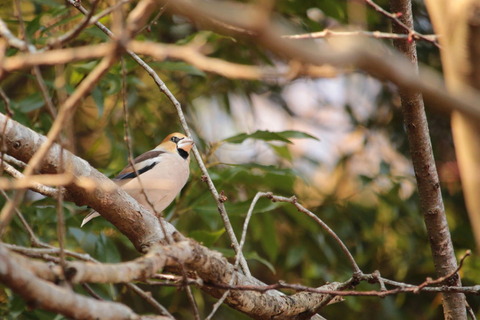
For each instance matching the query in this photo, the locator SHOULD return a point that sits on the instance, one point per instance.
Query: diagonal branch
(143, 229)
(50, 297)
(161, 85)
(430, 196)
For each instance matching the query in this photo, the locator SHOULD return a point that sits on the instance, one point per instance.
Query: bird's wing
(142, 164)
(92, 214)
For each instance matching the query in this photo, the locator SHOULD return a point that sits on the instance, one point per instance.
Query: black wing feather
(133, 174)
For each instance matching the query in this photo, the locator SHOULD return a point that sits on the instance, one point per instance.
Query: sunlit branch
(31, 183)
(327, 33)
(55, 298)
(412, 34)
(73, 33)
(163, 88)
(293, 200)
(193, 55)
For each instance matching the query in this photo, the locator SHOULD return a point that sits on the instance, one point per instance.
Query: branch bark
(143, 229)
(431, 202)
(45, 295)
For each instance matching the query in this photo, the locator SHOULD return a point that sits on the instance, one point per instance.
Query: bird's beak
(185, 144)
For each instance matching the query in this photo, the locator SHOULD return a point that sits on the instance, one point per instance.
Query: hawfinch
(162, 172)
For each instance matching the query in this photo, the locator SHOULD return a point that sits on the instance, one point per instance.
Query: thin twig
(198, 157)
(36, 69)
(293, 200)
(412, 34)
(185, 285)
(327, 33)
(429, 281)
(57, 42)
(128, 142)
(14, 161)
(400, 287)
(6, 100)
(61, 216)
(237, 258)
(470, 312)
(66, 111)
(148, 297)
(107, 11)
(154, 20)
(91, 291)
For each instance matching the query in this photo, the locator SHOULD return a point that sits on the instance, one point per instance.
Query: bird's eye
(175, 139)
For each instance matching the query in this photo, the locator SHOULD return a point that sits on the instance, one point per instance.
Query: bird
(162, 172)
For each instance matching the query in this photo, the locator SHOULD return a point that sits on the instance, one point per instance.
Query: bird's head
(177, 142)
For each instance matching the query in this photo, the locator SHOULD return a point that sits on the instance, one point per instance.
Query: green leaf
(241, 208)
(106, 250)
(266, 263)
(208, 238)
(297, 135)
(259, 135)
(86, 240)
(264, 135)
(33, 26)
(98, 97)
(283, 152)
(268, 239)
(179, 66)
(30, 103)
(50, 3)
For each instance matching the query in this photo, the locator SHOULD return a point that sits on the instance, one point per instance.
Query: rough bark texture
(45, 295)
(431, 203)
(134, 221)
(143, 229)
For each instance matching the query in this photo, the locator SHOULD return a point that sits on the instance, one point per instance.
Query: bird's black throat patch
(182, 153)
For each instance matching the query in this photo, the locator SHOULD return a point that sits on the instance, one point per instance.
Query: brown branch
(25, 46)
(47, 272)
(11, 39)
(147, 296)
(327, 33)
(430, 196)
(369, 56)
(430, 281)
(293, 200)
(137, 223)
(50, 297)
(143, 229)
(130, 155)
(66, 112)
(57, 42)
(400, 21)
(193, 56)
(57, 56)
(30, 183)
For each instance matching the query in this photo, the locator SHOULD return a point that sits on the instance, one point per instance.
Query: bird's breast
(161, 183)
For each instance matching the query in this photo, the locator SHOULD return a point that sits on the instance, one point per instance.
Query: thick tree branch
(134, 221)
(143, 229)
(369, 56)
(50, 297)
(431, 202)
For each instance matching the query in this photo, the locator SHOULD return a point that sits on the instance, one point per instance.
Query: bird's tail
(92, 214)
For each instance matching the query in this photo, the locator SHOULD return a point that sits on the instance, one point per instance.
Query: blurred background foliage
(357, 176)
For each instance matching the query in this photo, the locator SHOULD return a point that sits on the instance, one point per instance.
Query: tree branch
(142, 228)
(431, 202)
(50, 297)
